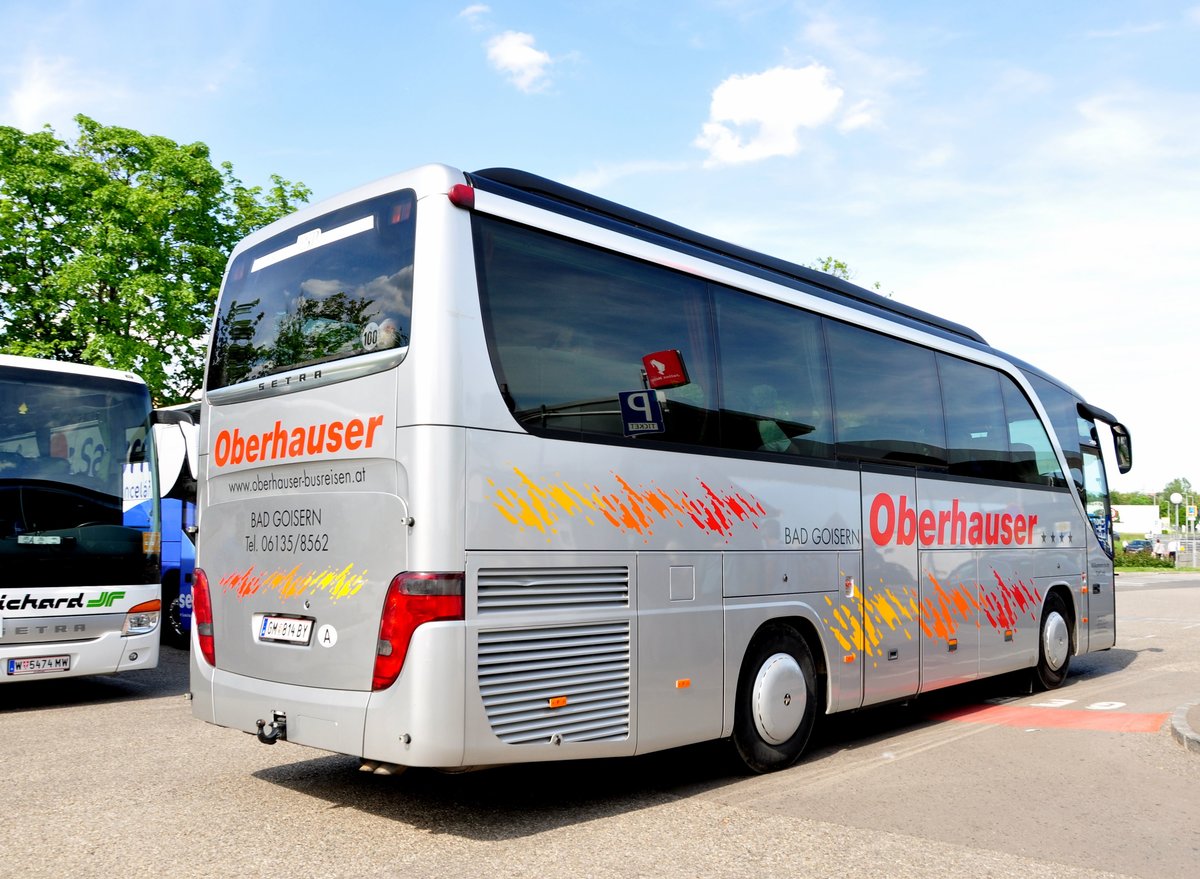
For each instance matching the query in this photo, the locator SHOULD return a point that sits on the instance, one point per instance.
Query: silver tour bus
(493, 470)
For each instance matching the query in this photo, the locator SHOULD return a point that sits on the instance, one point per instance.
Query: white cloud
(759, 116)
(1126, 31)
(1020, 82)
(603, 176)
(863, 114)
(51, 91)
(513, 54)
(1121, 131)
(472, 14)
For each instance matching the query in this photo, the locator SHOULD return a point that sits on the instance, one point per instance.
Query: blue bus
(179, 531)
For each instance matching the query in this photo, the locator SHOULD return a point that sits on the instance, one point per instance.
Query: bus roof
(14, 361)
(540, 192)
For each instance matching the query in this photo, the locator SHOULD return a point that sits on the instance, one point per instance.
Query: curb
(1182, 730)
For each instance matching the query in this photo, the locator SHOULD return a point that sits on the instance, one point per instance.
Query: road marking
(1057, 718)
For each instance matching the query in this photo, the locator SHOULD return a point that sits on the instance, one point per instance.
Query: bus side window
(977, 434)
(774, 379)
(886, 397)
(1034, 460)
(568, 326)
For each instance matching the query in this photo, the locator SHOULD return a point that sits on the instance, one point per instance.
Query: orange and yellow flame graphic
(292, 584)
(624, 507)
(939, 615)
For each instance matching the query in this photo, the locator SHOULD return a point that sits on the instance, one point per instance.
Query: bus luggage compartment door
(679, 681)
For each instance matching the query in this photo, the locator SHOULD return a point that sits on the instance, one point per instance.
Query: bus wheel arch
(1056, 640)
(778, 695)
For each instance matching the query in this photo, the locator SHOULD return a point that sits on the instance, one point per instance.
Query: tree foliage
(112, 248)
(1161, 498)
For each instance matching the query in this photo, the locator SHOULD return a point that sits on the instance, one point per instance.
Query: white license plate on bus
(287, 629)
(36, 665)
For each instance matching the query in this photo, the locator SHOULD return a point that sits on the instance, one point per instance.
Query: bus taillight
(412, 599)
(462, 195)
(202, 616)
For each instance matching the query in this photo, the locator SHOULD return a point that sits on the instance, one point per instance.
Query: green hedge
(1141, 560)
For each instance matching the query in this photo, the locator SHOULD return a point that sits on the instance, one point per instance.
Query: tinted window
(333, 287)
(570, 324)
(886, 397)
(1073, 432)
(774, 379)
(1033, 456)
(976, 429)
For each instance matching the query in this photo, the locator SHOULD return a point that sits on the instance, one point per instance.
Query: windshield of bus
(333, 287)
(77, 486)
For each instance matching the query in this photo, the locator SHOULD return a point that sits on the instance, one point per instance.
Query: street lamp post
(1176, 500)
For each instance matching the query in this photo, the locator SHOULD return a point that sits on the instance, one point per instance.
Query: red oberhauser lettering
(928, 527)
(881, 532)
(892, 520)
(908, 522)
(280, 443)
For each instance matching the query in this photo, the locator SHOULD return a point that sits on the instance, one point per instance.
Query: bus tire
(171, 622)
(1054, 644)
(776, 700)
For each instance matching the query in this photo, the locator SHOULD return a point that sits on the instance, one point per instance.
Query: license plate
(36, 665)
(288, 629)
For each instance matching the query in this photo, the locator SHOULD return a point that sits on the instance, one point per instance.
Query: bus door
(891, 609)
(1098, 603)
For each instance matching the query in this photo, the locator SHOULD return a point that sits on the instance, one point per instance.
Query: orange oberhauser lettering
(281, 443)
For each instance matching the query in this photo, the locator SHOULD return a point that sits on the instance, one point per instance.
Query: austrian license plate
(36, 665)
(288, 629)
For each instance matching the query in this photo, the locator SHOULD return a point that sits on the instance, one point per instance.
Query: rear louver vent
(556, 684)
(508, 590)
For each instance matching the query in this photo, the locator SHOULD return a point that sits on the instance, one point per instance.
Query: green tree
(1183, 487)
(840, 269)
(112, 248)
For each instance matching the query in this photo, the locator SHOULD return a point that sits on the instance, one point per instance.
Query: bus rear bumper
(418, 721)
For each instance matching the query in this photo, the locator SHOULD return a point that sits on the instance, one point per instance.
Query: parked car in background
(1139, 546)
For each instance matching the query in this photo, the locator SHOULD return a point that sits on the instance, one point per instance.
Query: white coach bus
(495, 471)
(80, 540)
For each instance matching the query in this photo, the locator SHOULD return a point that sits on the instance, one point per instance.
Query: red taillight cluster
(412, 599)
(202, 616)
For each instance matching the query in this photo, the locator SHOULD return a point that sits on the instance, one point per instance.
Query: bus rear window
(337, 286)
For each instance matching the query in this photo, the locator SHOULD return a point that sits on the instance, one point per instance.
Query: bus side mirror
(1124, 447)
(176, 438)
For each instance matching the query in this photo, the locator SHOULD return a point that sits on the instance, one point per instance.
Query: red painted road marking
(1058, 718)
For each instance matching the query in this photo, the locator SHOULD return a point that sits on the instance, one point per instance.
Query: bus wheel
(1054, 645)
(171, 623)
(776, 700)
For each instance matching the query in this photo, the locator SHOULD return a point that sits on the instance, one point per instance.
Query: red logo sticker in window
(665, 369)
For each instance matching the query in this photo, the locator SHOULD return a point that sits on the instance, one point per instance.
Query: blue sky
(1030, 169)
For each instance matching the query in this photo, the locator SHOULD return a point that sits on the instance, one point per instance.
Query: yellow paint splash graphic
(292, 584)
(542, 506)
(939, 615)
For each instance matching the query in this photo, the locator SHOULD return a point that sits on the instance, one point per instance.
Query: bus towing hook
(270, 733)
